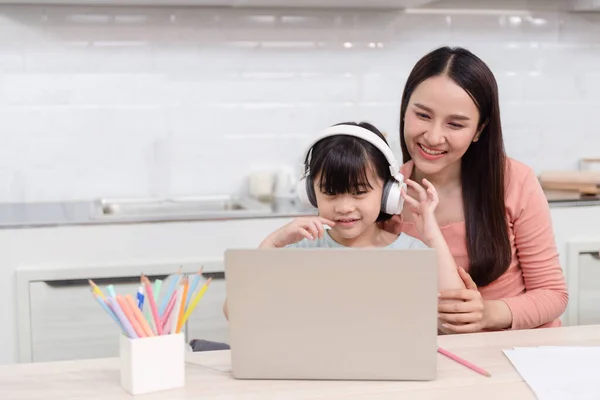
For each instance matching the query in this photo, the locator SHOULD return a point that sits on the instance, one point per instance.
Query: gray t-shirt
(403, 242)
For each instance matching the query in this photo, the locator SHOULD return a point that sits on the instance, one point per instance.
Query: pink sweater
(533, 287)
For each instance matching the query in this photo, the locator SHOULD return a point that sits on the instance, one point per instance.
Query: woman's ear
(479, 131)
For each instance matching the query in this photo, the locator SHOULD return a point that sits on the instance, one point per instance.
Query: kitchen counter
(32, 215)
(563, 198)
(35, 215)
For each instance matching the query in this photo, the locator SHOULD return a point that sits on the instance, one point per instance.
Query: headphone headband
(361, 133)
(391, 199)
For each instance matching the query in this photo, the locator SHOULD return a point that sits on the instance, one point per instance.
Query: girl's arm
(310, 228)
(448, 276)
(423, 212)
(426, 224)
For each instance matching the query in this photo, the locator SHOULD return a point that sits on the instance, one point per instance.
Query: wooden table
(208, 377)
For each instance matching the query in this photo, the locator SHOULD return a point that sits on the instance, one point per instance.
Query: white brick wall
(111, 102)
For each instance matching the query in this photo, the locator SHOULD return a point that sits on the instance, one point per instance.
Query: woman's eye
(455, 125)
(360, 193)
(422, 115)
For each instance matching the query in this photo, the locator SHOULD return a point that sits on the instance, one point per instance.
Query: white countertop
(74, 213)
(208, 377)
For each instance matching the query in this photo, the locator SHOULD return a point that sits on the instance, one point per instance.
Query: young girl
(348, 175)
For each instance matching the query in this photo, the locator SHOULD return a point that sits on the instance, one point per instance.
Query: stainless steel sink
(192, 206)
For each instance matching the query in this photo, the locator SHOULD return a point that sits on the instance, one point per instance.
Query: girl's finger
(312, 228)
(326, 221)
(303, 232)
(320, 229)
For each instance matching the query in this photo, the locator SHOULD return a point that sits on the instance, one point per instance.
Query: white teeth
(433, 153)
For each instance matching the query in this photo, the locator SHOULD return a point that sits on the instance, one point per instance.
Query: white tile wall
(118, 102)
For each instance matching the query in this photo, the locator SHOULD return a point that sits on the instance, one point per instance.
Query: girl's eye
(422, 115)
(359, 193)
(455, 125)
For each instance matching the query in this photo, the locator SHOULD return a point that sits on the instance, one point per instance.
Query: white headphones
(391, 200)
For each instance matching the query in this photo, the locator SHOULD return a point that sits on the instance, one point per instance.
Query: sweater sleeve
(545, 297)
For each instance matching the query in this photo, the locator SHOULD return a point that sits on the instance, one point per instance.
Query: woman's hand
(462, 311)
(423, 209)
(309, 228)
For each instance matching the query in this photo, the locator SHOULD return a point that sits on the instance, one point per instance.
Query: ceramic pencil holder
(152, 364)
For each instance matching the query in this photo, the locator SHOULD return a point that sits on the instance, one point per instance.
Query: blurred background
(140, 136)
(139, 101)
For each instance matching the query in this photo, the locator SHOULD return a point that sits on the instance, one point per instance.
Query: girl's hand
(464, 316)
(309, 228)
(423, 209)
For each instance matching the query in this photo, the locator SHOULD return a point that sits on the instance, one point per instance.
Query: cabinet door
(589, 289)
(67, 323)
(207, 321)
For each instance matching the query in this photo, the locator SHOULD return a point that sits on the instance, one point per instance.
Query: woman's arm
(546, 294)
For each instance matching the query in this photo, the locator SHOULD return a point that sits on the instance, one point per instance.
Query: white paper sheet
(557, 372)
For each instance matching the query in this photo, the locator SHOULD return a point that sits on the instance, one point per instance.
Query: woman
(492, 210)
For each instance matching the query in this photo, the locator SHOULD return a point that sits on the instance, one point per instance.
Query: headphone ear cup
(306, 193)
(391, 200)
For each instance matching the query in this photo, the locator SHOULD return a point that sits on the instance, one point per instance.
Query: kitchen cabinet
(66, 323)
(588, 293)
(583, 281)
(578, 241)
(57, 317)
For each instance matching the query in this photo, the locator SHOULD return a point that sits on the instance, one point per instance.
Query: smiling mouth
(430, 151)
(346, 220)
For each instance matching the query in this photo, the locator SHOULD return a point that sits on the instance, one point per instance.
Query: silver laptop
(348, 314)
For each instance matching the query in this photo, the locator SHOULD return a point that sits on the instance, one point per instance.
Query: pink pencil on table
(464, 362)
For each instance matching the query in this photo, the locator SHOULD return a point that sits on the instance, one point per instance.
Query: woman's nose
(434, 135)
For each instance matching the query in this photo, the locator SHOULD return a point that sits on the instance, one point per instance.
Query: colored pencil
(107, 308)
(139, 316)
(130, 316)
(153, 308)
(174, 281)
(195, 281)
(129, 331)
(197, 298)
(96, 289)
(464, 362)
